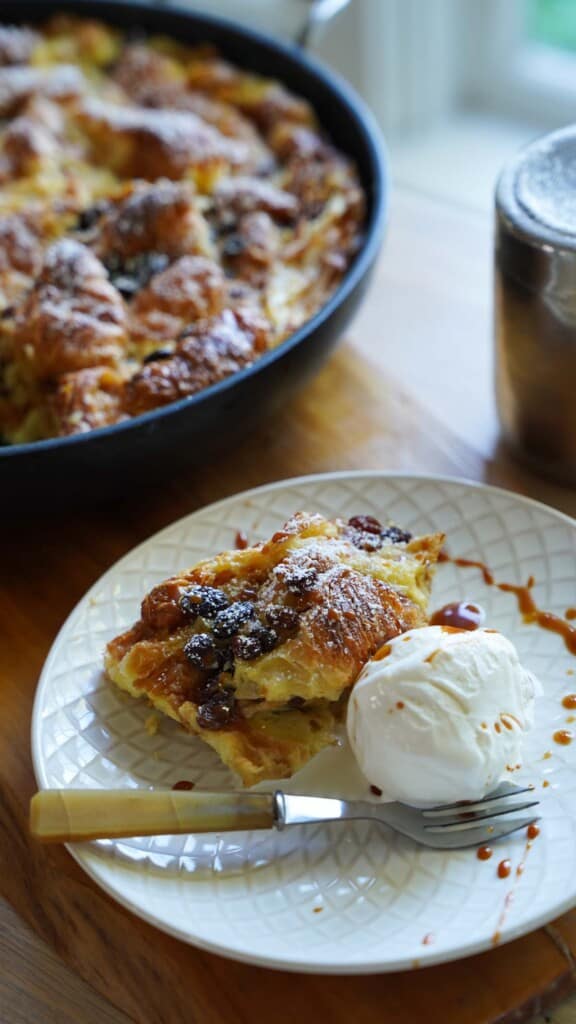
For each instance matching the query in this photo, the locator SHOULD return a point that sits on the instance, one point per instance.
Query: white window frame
(511, 75)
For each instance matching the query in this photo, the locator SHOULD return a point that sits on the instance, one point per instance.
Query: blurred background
(457, 85)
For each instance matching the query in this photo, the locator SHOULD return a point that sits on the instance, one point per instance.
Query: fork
(70, 815)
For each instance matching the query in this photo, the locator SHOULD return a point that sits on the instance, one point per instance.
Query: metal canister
(535, 304)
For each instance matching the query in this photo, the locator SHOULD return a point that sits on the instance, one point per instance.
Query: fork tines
(465, 814)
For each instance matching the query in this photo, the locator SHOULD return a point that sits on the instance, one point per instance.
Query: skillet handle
(299, 20)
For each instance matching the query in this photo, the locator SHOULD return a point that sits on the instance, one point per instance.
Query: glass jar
(535, 304)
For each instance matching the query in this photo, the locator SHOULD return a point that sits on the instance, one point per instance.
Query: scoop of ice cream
(439, 715)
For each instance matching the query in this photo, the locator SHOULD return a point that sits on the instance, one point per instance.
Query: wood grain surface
(409, 390)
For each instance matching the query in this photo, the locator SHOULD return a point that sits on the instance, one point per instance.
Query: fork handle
(71, 815)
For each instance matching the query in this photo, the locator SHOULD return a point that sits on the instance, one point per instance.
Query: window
(552, 23)
(528, 60)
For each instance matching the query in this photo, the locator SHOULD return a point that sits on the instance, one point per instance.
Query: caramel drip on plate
(527, 606)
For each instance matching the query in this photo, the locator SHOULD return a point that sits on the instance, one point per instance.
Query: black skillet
(193, 429)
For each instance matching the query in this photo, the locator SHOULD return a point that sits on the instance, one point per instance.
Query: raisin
(396, 535)
(205, 689)
(259, 641)
(366, 523)
(300, 579)
(201, 652)
(89, 217)
(159, 353)
(246, 647)
(153, 263)
(267, 638)
(296, 702)
(218, 712)
(126, 285)
(130, 275)
(205, 601)
(233, 246)
(228, 622)
(365, 541)
(281, 617)
(183, 784)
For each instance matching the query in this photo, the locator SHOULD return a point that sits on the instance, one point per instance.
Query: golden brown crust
(19, 83)
(235, 197)
(25, 144)
(139, 142)
(262, 669)
(211, 351)
(162, 218)
(73, 318)
(20, 244)
(152, 79)
(86, 400)
(191, 289)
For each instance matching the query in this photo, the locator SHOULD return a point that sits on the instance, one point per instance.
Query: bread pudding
(165, 218)
(255, 650)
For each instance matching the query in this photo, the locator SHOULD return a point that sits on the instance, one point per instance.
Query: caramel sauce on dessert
(569, 701)
(241, 540)
(382, 652)
(459, 614)
(504, 868)
(484, 852)
(533, 831)
(527, 606)
(563, 737)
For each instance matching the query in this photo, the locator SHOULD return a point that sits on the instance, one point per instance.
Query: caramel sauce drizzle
(527, 606)
(466, 563)
(241, 540)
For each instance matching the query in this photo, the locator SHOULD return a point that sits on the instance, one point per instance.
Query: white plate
(345, 898)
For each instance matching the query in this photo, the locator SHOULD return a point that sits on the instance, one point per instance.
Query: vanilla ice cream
(439, 715)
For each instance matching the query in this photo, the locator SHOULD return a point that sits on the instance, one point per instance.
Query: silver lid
(536, 214)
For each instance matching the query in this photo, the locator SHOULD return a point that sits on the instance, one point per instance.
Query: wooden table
(410, 389)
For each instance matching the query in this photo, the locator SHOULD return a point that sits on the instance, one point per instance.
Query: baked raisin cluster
(368, 534)
(231, 630)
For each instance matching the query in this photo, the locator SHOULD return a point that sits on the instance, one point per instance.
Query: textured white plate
(336, 898)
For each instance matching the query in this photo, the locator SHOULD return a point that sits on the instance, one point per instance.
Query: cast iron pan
(193, 429)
